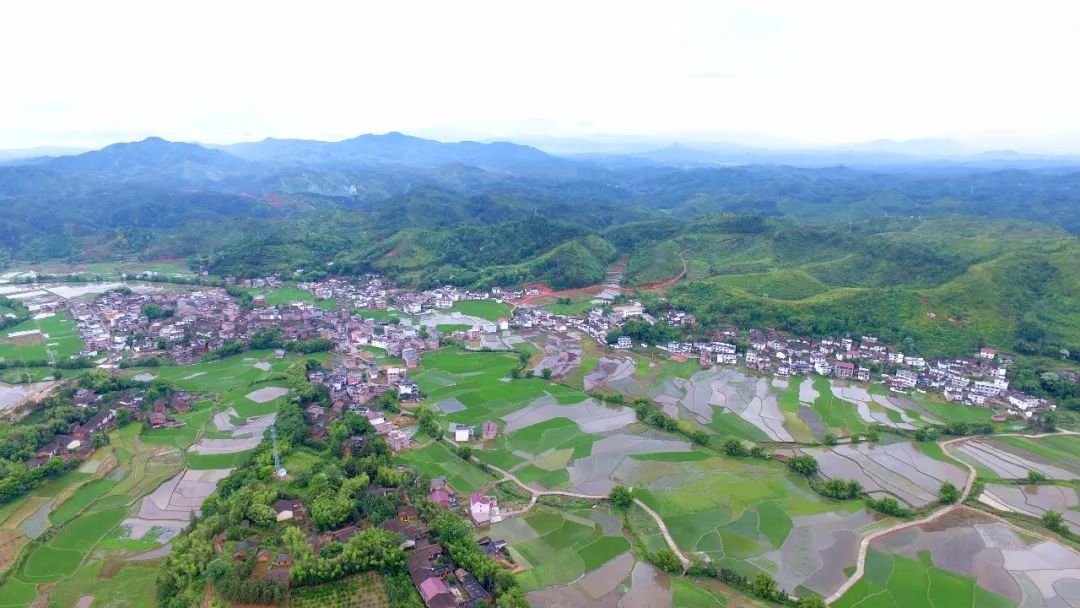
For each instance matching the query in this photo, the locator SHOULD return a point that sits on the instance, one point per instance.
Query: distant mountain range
(216, 161)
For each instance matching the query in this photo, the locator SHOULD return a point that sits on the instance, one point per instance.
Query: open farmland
(61, 339)
(997, 459)
(1034, 501)
(900, 470)
(753, 515)
(436, 460)
(966, 559)
(91, 505)
(489, 310)
(277, 296)
(558, 547)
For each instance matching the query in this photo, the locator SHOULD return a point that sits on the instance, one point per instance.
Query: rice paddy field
(966, 558)
(90, 553)
(117, 511)
(752, 515)
(556, 547)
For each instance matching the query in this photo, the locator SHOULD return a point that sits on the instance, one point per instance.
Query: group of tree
(648, 413)
(53, 416)
(840, 489)
(737, 448)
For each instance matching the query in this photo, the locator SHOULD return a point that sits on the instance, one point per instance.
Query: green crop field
(895, 581)
(835, 412)
(481, 381)
(449, 328)
(573, 308)
(697, 593)
(952, 412)
(22, 348)
(484, 309)
(86, 494)
(360, 591)
(200, 462)
(552, 434)
(728, 507)
(1063, 450)
(560, 546)
(436, 460)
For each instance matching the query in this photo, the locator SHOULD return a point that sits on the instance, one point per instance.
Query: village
(379, 336)
(194, 324)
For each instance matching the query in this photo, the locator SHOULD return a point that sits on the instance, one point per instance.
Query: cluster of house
(77, 442)
(483, 509)
(440, 582)
(980, 380)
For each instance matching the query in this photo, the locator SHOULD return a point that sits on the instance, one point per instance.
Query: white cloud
(87, 73)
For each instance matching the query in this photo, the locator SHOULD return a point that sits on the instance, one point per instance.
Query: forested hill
(946, 256)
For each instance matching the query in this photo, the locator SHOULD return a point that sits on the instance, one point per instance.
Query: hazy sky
(817, 72)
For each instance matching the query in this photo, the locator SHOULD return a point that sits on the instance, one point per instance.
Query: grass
(384, 315)
(449, 328)
(282, 295)
(900, 582)
(435, 460)
(63, 340)
(573, 308)
(484, 309)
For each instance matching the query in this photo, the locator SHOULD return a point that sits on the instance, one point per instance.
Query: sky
(764, 72)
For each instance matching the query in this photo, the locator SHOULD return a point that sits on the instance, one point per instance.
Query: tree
(666, 560)
(329, 512)
(621, 497)
(812, 601)
(1054, 522)
(873, 437)
(948, 493)
(1035, 477)
(830, 439)
(425, 418)
(545, 373)
(734, 446)
(927, 433)
(764, 586)
(266, 337)
(804, 465)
